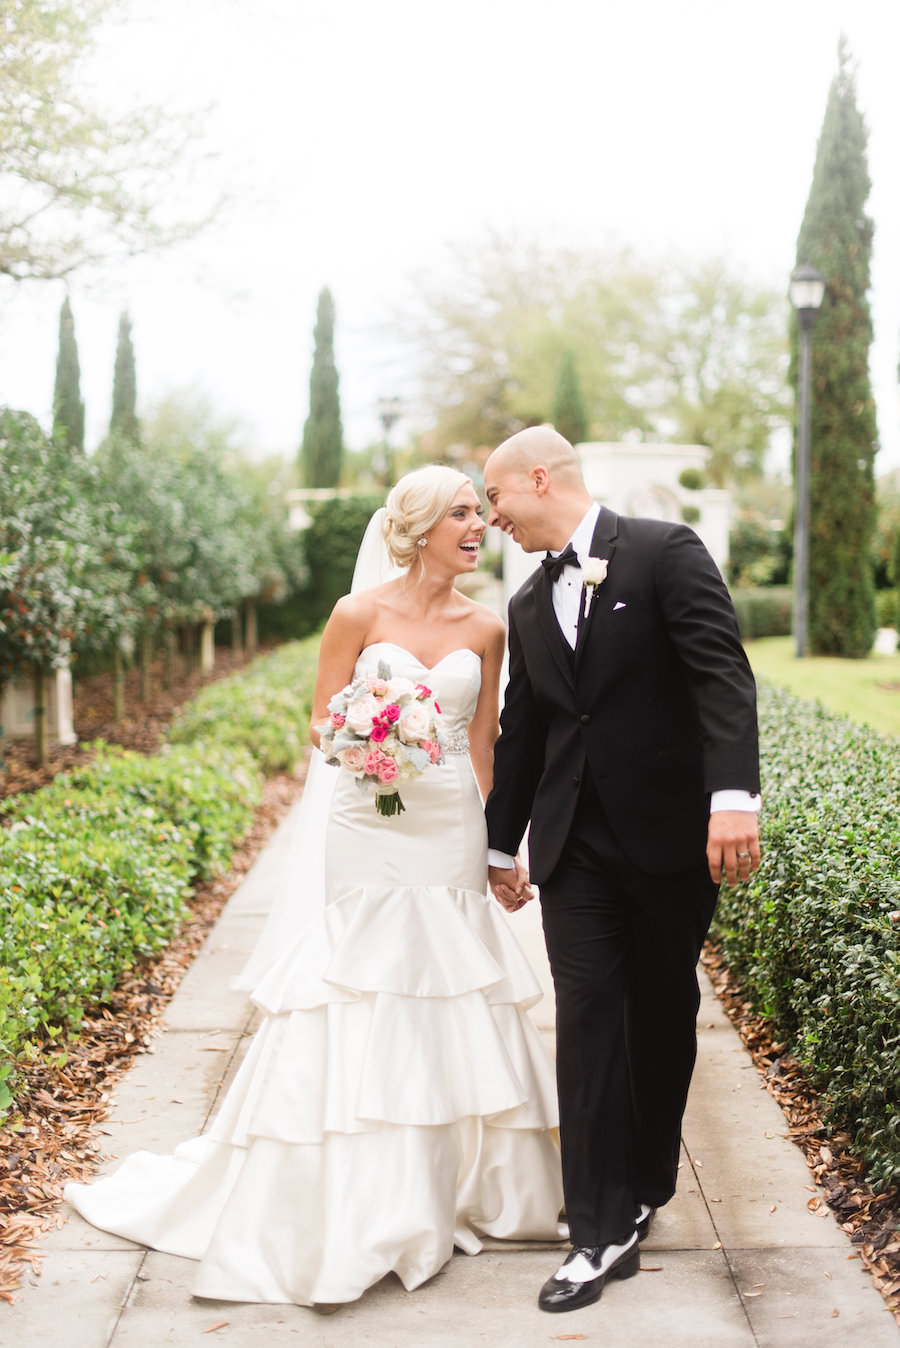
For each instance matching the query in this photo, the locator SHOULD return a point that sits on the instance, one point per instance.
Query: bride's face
(454, 541)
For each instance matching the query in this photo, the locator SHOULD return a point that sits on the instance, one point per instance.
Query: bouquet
(385, 731)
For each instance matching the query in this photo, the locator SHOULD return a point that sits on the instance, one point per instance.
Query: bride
(397, 1100)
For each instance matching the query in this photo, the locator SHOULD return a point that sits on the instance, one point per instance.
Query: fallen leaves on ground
(869, 1219)
(142, 727)
(57, 1134)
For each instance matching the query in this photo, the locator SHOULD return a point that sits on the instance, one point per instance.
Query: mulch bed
(57, 1134)
(142, 728)
(870, 1220)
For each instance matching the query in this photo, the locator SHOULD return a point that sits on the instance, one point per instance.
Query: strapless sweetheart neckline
(429, 668)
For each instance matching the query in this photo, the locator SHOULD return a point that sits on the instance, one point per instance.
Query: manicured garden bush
(763, 611)
(814, 938)
(95, 868)
(887, 608)
(264, 709)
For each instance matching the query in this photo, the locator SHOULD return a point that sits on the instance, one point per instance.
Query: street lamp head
(807, 290)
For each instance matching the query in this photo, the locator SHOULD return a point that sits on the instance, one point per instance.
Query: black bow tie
(554, 565)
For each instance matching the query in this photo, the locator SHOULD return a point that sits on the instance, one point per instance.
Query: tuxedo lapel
(602, 545)
(542, 597)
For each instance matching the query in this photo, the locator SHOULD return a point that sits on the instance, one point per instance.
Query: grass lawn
(865, 690)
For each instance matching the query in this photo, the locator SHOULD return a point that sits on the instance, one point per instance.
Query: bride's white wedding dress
(397, 1099)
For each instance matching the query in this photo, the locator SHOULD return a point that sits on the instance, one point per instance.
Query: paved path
(735, 1261)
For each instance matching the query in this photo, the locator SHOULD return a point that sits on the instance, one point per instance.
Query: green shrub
(264, 709)
(764, 611)
(330, 544)
(690, 514)
(810, 936)
(887, 608)
(96, 867)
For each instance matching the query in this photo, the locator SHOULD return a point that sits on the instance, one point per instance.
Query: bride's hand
(510, 886)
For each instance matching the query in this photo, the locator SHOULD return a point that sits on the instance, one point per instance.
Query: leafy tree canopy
(77, 184)
(689, 352)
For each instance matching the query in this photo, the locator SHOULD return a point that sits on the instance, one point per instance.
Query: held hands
(511, 888)
(732, 847)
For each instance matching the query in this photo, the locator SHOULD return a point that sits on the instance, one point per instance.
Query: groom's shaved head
(539, 445)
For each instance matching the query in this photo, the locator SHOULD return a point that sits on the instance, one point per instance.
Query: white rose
(361, 713)
(400, 687)
(414, 723)
(593, 570)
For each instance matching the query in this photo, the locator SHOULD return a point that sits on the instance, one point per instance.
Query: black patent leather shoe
(585, 1273)
(642, 1220)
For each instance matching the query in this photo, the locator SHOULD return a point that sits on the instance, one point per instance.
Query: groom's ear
(540, 477)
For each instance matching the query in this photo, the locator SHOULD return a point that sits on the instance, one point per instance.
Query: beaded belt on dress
(456, 742)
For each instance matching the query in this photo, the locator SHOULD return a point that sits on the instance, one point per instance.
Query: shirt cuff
(502, 860)
(735, 800)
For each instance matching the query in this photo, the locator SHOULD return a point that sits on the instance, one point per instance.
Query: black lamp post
(807, 291)
(389, 411)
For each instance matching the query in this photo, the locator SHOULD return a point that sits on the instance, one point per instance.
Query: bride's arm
(342, 641)
(484, 726)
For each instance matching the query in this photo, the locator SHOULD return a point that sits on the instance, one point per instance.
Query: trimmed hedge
(887, 608)
(95, 868)
(811, 936)
(265, 709)
(763, 611)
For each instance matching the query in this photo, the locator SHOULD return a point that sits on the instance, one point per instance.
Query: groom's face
(517, 504)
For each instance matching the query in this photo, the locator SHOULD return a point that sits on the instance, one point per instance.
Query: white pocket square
(618, 604)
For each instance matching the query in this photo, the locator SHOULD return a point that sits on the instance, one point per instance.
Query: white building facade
(643, 480)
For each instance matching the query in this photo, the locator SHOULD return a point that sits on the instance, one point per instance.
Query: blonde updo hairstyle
(416, 504)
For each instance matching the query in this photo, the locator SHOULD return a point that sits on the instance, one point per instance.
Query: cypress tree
(68, 407)
(569, 413)
(322, 450)
(124, 399)
(836, 238)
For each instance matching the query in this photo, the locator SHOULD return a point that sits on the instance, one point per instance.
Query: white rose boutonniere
(593, 573)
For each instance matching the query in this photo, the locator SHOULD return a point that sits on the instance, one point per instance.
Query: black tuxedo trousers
(623, 948)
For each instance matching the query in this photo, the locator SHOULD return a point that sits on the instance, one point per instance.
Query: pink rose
(414, 723)
(361, 714)
(371, 762)
(353, 758)
(422, 691)
(391, 712)
(337, 720)
(379, 733)
(387, 770)
(377, 686)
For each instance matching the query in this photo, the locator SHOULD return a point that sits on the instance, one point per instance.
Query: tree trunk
(146, 662)
(40, 716)
(250, 627)
(168, 658)
(189, 632)
(208, 648)
(237, 643)
(118, 684)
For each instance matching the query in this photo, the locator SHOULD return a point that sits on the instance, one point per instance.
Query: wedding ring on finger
(743, 855)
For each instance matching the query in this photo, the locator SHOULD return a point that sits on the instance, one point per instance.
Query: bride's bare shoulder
(361, 611)
(487, 628)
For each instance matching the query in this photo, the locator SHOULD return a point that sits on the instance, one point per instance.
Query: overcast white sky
(358, 139)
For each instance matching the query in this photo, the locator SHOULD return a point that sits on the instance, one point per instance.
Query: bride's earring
(422, 543)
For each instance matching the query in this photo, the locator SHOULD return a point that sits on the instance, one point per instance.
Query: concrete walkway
(737, 1260)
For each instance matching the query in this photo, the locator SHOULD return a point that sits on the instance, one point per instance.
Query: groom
(628, 739)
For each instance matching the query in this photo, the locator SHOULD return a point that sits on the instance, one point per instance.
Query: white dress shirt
(567, 601)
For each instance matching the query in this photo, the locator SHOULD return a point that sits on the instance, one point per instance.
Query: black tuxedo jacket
(657, 702)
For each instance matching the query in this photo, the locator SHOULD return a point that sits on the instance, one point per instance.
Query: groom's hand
(510, 886)
(732, 847)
